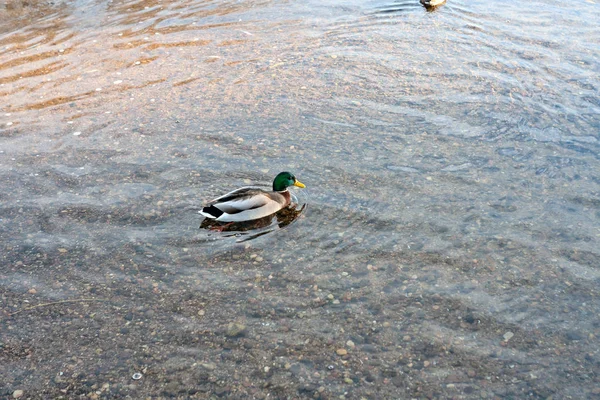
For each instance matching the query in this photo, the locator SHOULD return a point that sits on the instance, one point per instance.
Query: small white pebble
(76, 133)
(69, 122)
(9, 123)
(117, 82)
(98, 89)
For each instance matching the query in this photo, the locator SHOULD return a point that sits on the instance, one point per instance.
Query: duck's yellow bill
(299, 184)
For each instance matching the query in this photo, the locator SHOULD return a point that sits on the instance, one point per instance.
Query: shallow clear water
(450, 242)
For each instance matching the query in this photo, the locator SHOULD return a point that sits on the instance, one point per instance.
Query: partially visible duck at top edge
(432, 3)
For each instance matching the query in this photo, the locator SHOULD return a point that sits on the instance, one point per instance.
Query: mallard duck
(251, 202)
(432, 3)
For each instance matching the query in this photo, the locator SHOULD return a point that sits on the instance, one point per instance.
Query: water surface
(450, 243)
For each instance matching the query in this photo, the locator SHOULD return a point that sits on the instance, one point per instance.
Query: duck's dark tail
(211, 212)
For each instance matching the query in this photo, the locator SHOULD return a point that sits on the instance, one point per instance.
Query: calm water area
(447, 243)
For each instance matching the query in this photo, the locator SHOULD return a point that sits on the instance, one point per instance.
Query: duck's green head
(285, 179)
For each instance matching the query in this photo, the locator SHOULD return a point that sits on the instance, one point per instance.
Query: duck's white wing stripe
(247, 215)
